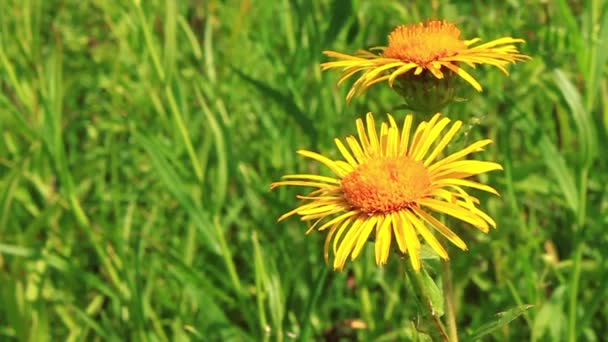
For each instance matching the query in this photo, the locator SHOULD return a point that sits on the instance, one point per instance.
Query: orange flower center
(386, 185)
(423, 44)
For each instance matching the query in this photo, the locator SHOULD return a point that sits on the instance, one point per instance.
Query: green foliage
(138, 140)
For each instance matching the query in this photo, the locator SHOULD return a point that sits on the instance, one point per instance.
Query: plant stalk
(425, 299)
(448, 291)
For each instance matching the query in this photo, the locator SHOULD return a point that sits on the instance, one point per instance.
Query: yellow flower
(387, 184)
(434, 47)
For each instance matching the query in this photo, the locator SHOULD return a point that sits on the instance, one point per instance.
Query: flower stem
(448, 291)
(425, 298)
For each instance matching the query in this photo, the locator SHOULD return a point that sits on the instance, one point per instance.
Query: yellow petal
(411, 240)
(363, 236)
(383, 240)
(445, 140)
(443, 229)
(427, 235)
(465, 75)
(399, 232)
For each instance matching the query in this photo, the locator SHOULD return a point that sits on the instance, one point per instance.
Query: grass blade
(582, 119)
(174, 185)
(502, 319)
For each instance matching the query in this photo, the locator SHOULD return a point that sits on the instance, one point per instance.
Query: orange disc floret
(423, 44)
(386, 185)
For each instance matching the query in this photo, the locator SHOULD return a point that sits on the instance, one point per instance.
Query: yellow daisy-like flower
(387, 184)
(435, 47)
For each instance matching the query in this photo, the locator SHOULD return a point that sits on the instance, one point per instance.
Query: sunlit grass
(138, 142)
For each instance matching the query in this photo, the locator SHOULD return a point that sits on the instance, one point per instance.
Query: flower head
(387, 185)
(433, 48)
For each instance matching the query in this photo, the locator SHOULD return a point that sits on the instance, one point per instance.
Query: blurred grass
(139, 139)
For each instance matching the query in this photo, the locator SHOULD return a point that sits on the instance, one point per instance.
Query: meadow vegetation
(139, 140)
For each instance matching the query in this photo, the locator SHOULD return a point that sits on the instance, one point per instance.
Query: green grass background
(139, 138)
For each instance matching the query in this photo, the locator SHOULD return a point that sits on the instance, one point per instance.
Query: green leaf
(268, 290)
(434, 293)
(169, 176)
(502, 319)
(320, 281)
(596, 52)
(558, 167)
(582, 119)
(284, 99)
(551, 318)
(221, 178)
(16, 250)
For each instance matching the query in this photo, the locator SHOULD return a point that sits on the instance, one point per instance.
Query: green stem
(576, 273)
(320, 280)
(425, 298)
(578, 255)
(196, 165)
(448, 291)
(582, 207)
